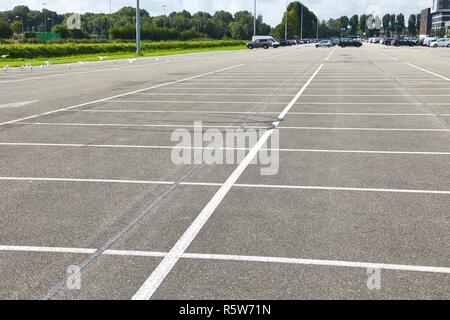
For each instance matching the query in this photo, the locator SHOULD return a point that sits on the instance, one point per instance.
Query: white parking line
(376, 95)
(372, 103)
(125, 125)
(236, 185)
(195, 102)
(212, 94)
(160, 273)
(118, 125)
(169, 147)
(428, 71)
(259, 113)
(117, 96)
(330, 55)
(365, 129)
(59, 75)
(384, 55)
(238, 258)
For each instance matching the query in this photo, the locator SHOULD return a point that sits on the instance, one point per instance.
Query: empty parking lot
(88, 182)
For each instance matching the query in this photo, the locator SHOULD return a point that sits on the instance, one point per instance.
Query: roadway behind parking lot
(87, 178)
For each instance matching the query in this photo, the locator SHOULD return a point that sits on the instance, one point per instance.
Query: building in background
(440, 15)
(425, 22)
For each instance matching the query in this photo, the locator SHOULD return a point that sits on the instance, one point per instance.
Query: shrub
(29, 51)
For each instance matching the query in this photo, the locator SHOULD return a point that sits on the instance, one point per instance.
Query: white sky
(272, 10)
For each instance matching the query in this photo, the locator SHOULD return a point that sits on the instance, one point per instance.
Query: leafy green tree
(412, 25)
(354, 21)
(363, 23)
(62, 30)
(5, 30)
(418, 22)
(16, 26)
(400, 23)
(242, 27)
(393, 22)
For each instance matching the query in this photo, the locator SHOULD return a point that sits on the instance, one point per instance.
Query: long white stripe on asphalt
(36, 78)
(160, 273)
(365, 129)
(428, 71)
(384, 55)
(238, 258)
(237, 185)
(117, 96)
(195, 102)
(168, 147)
(122, 125)
(259, 113)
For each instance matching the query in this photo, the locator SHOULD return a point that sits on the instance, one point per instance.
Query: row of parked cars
(344, 42)
(433, 42)
(267, 42)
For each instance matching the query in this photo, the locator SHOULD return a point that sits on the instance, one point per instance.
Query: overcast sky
(272, 10)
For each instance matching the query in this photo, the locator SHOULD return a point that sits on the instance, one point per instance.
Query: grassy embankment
(37, 54)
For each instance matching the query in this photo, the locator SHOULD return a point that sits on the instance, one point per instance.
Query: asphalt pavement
(94, 205)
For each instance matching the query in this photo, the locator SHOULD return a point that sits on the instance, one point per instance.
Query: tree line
(184, 25)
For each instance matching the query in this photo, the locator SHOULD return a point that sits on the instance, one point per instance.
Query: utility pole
(301, 25)
(21, 18)
(138, 28)
(110, 14)
(254, 19)
(317, 36)
(286, 22)
(164, 10)
(45, 17)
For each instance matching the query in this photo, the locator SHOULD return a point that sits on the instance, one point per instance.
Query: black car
(350, 43)
(260, 43)
(402, 42)
(285, 43)
(387, 41)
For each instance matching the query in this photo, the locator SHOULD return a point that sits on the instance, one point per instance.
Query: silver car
(324, 44)
(443, 42)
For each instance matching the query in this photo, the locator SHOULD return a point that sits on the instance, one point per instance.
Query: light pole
(164, 10)
(45, 17)
(110, 14)
(286, 22)
(21, 18)
(367, 16)
(317, 36)
(301, 25)
(254, 19)
(138, 28)
(50, 19)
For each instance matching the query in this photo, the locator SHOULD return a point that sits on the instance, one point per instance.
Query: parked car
(414, 41)
(275, 43)
(387, 41)
(350, 43)
(260, 43)
(402, 42)
(324, 44)
(285, 43)
(443, 42)
(428, 40)
(335, 41)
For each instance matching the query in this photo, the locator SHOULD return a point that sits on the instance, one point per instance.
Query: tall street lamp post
(138, 28)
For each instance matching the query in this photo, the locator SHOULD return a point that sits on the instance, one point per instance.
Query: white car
(324, 44)
(275, 43)
(443, 42)
(428, 40)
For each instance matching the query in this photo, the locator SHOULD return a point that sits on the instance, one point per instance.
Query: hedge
(30, 51)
